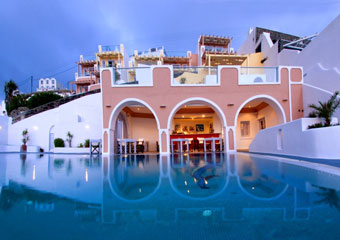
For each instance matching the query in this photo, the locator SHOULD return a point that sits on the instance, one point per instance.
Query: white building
(318, 54)
(48, 84)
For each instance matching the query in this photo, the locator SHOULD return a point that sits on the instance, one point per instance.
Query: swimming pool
(199, 196)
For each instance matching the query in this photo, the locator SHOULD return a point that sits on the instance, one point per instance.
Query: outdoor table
(180, 140)
(126, 143)
(213, 141)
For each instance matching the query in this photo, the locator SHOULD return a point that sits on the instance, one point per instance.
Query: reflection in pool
(198, 176)
(134, 177)
(202, 196)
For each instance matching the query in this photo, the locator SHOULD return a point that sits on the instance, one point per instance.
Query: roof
(214, 40)
(282, 38)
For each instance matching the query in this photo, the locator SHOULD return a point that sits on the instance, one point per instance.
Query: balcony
(87, 58)
(258, 75)
(110, 48)
(194, 76)
(136, 76)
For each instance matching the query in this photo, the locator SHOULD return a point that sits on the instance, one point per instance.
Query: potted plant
(325, 110)
(25, 139)
(69, 138)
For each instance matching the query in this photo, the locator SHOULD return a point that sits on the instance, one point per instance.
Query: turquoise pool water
(212, 196)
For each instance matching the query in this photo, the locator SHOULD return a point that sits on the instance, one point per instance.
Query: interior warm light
(182, 116)
(185, 182)
(137, 109)
(86, 175)
(33, 175)
(203, 115)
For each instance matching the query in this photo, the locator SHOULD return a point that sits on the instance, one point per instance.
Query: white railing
(194, 76)
(258, 75)
(136, 76)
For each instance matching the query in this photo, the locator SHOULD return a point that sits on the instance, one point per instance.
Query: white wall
(4, 121)
(145, 128)
(297, 140)
(271, 120)
(320, 61)
(248, 46)
(82, 117)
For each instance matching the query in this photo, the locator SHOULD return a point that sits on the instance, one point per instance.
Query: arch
(51, 138)
(197, 99)
(115, 112)
(115, 191)
(221, 190)
(277, 107)
(212, 104)
(261, 198)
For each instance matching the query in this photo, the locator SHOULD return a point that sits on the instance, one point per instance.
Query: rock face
(18, 112)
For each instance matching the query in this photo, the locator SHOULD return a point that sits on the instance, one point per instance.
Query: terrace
(193, 76)
(228, 103)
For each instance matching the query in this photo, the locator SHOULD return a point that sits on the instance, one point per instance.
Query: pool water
(199, 196)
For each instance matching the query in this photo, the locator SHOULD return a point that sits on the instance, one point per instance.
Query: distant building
(48, 84)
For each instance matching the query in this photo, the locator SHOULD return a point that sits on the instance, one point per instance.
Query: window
(46, 81)
(52, 81)
(262, 123)
(111, 63)
(245, 128)
(103, 63)
(42, 82)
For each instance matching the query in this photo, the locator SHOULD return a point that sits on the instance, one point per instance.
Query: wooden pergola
(213, 60)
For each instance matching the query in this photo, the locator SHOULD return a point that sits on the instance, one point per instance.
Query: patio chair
(140, 145)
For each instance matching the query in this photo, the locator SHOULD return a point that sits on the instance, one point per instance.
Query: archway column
(164, 140)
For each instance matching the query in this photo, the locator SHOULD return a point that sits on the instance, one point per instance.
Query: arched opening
(134, 177)
(51, 139)
(199, 176)
(255, 178)
(197, 120)
(254, 115)
(133, 123)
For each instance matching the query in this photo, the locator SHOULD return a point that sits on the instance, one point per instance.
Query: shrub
(81, 145)
(316, 125)
(58, 142)
(42, 98)
(320, 125)
(326, 109)
(87, 143)
(16, 102)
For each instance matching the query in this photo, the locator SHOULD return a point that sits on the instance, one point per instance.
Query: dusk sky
(43, 38)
